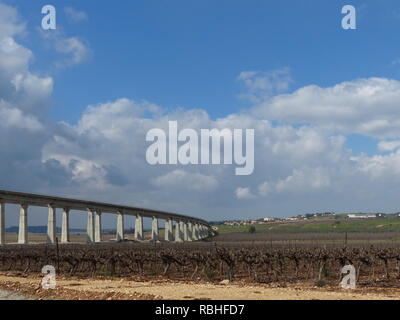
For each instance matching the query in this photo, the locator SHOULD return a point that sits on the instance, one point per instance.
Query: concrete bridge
(186, 228)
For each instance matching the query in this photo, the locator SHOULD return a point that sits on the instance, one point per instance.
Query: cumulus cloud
(389, 145)
(112, 134)
(380, 166)
(25, 99)
(74, 48)
(10, 23)
(75, 15)
(187, 180)
(304, 180)
(365, 106)
(244, 193)
(298, 168)
(261, 85)
(12, 117)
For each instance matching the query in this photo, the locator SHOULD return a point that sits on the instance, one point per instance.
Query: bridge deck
(83, 205)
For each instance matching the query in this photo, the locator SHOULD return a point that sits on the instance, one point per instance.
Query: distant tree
(252, 229)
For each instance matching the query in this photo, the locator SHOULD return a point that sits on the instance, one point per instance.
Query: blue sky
(195, 55)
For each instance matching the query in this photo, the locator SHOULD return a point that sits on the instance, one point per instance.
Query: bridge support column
(168, 230)
(120, 227)
(195, 232)
(201, 232)
(65, 226)
(139, 227)
(185, 232)
(51, 225)
(97, 232)
(181, 230)
(2, 223)
(23, 224)
(206, 232)
(154, 229)
(90, 226)
(178, 232)
(190, 231)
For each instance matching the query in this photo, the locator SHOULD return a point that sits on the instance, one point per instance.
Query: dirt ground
(163, 289)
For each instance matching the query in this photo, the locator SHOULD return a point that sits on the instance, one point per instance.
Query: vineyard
(211, 263)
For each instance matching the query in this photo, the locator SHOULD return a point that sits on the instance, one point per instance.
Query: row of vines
(262, 265)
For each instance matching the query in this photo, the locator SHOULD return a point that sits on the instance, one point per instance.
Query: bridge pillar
(90, 226)
(185, 231)
(120, 227)
(51, 224)
(178, 232)
(65, 226)
(208, 232)
(190, 231)
(168, 230)
(23, 224)
(97, 232)
(139, 227)
(204, 231)
(195, 232)
(201, 231)
(154, 229)
(182, 230)
(2, 223)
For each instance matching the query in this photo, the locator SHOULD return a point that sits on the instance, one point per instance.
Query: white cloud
(388, 145)
(11, 117)
(25, 99)
(364, 106)
(72, 50)
(265, 189)
(380, 166)
(300, 181)
(261, 85)
(244, 193)
(75, 48)
(10, 24)
(75, 15)
(183, 179)
(304, 180)
(14, 57)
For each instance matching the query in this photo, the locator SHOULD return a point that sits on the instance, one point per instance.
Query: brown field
(230, 266)
(78, 288)
(35, 238)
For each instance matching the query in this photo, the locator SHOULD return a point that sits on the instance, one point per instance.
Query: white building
(361, 216)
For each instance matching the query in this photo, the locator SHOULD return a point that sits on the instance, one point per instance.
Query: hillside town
(311, 216)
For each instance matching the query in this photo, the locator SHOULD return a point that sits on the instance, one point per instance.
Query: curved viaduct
(186, 228)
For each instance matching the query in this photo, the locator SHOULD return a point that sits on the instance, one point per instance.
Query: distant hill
(42, 230)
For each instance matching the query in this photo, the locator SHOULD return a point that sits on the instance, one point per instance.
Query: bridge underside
(186, 228)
